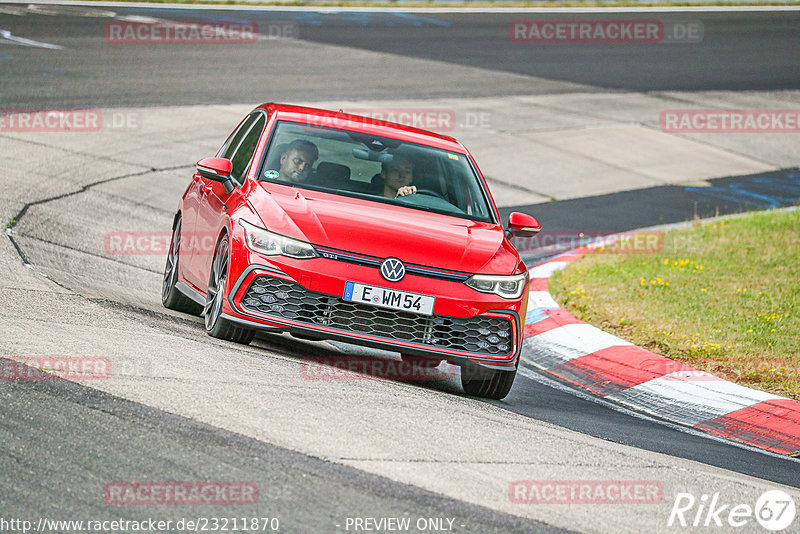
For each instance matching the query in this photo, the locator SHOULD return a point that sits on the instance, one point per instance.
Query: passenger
(397, 176)
(297, 160)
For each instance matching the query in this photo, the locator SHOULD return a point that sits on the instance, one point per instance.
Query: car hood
(383, 230)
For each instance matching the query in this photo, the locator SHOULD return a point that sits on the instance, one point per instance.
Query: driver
(297, 160)
(397, 176)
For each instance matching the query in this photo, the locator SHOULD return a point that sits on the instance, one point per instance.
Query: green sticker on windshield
(271, 174)
(452, 156)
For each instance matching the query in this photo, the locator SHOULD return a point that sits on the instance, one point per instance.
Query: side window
(247, 147)
(236, 137)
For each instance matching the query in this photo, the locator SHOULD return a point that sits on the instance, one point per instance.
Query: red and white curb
(557, 342)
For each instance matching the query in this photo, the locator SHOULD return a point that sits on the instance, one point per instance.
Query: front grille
(287, 300)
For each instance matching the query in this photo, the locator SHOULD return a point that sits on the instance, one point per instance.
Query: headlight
(271, 244)
(509, 287)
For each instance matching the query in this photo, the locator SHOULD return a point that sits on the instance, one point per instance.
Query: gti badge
(393, 269)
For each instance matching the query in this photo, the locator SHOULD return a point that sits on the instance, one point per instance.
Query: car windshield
(375, 168)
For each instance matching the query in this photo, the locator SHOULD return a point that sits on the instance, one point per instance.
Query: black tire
(217, 326)
(478, 381)
(170, 297)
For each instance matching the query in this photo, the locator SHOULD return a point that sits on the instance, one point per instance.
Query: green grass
(721, 296)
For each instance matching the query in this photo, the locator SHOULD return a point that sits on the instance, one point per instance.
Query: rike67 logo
(774, 510)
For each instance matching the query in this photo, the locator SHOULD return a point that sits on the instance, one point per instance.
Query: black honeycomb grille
(287, 300)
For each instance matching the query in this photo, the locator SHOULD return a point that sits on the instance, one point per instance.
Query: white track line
(6, 35)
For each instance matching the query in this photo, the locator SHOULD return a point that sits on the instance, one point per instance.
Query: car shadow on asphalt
(334, 360)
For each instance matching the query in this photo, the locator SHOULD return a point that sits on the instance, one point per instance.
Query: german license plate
(389, 298)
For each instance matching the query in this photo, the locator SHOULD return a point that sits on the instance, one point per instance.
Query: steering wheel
(431, 193)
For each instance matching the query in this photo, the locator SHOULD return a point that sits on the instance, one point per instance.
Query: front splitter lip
(271, 324)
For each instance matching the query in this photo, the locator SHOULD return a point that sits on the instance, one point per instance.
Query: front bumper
(267, 297)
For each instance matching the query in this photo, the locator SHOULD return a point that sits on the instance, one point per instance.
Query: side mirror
(522, 225)
(217, 169)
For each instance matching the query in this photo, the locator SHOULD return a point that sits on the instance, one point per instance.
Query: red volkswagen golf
(334, 226)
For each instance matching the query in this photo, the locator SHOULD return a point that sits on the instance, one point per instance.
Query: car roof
(338, 119)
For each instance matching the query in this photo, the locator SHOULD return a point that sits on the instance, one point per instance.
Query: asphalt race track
(730, 57)
(186, 407)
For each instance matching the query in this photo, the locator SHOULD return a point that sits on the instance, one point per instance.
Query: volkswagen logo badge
(393, 269)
